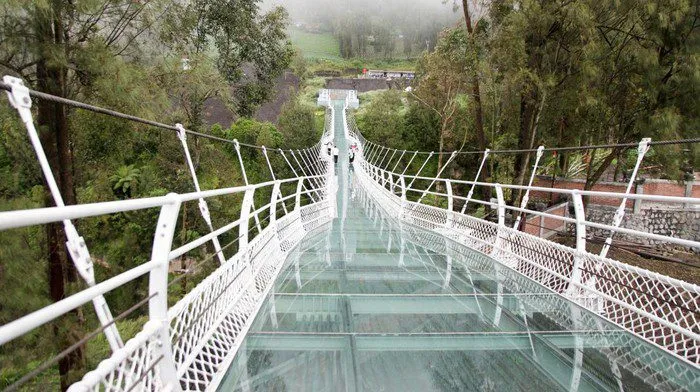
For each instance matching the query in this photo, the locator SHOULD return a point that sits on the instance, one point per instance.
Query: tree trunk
(478, 111)
(527, 114)
(52, 124)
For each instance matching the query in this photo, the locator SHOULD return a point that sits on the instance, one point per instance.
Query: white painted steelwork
(658, 308)
(189, 345)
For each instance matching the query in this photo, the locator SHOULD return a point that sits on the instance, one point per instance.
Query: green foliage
(577, 73)
(381, 119)
(125, 180)
(297, 123)
(235, 34)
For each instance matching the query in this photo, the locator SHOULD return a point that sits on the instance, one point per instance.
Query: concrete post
(638, 202)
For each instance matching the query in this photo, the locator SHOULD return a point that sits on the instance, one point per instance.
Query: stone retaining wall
(677, 222)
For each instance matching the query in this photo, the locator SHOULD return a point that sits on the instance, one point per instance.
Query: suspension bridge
(342, 276)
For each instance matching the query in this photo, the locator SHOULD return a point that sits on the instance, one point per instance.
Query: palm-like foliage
(125, 180)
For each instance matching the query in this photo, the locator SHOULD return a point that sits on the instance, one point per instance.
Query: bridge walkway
(363, 305)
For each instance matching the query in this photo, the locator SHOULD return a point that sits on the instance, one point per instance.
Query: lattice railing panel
(660, 309)
(540, 268)
(134, 369)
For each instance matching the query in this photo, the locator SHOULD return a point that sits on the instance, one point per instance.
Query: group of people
(333, 150)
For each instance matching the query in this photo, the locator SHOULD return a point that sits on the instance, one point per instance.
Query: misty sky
(305, 10)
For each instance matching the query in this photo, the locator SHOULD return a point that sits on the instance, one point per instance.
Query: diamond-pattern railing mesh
(660, 309)
(235, 296)
(208, 325)
(134, 369)
(541, 270)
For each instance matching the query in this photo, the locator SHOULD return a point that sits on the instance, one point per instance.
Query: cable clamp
(181, 132)
(80, 254)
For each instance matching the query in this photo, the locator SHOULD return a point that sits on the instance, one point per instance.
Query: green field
(315, 46)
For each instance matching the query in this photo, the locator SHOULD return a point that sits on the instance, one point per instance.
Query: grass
(315, 46)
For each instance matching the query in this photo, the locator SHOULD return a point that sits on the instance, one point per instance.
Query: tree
(251, 48)
(471, 54)
(381, 120)
(297, 124)
(442, 82)
(57, 48)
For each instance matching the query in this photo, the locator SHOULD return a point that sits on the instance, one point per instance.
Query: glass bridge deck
(370, 304)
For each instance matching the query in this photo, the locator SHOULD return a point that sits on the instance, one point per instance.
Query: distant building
(385, 74)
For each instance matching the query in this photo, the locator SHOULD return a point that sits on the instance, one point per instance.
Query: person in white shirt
(335, 153)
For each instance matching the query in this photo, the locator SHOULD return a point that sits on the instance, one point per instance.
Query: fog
(393, 11)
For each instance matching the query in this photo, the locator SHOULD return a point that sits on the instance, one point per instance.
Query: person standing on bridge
(329, 145)
(335, 153)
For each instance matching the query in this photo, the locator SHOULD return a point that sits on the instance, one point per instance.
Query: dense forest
(519, 74)
(501, 75)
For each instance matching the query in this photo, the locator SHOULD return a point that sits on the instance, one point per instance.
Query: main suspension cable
(548, 149)
(552, 149)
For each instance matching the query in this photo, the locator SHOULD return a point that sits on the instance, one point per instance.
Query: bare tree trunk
(478, 111)
(52, 123)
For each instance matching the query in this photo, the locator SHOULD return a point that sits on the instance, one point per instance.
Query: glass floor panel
(367, 303)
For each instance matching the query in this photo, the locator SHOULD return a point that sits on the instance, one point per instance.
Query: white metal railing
(325, 96)
(189, 345)
(658, 369)
(658, 308)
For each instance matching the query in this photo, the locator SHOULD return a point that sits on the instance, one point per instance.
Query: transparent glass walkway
(370, 304)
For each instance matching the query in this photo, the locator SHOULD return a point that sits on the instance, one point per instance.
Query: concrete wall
(546, 227)
(363, 85)
(650, 187)
(676, 222)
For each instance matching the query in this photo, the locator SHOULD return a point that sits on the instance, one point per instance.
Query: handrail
(169, 362)
(659, 237)
(664, 310)
(39, 216)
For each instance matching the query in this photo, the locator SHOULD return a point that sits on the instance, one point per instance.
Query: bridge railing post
(78, 251)
(203, 206)
(450, 203)
(402, 184)
(243, 225)
(274, 197)
(237, 147)
(297, 197)
(577, 270)
(500, 231)
(158, 291)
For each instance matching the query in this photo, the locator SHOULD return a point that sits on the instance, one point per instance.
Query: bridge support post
(642, 149)
(274, 178)
(297, 198)
(243, 225)
(450, 204)
(391, 182)
(402, 184)
(203, 207)
(158, 291)
(577, 270)
(77, 249)
(245, 178)
(476, 178)
(526, 196)
(500, 232)
(273, 203)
